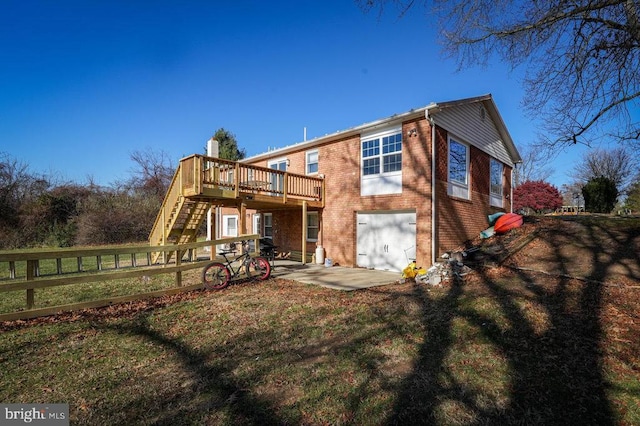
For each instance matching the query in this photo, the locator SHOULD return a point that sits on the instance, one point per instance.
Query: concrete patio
(334, 277)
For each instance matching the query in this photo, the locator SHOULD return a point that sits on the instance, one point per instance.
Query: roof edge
(492, 109)
(426, 111)
(417, 112)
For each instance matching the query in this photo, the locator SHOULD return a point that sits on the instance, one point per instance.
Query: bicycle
(218, 275)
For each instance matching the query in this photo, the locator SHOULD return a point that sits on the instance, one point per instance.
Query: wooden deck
(202, 182)
(228, 183)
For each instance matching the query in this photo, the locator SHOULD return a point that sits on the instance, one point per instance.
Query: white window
(313, 225)
(268, 225)
(312, 162)
(279, 164)
(230, 225)
(386, 151)
(495, 193)
(458, 169)
(381, 171)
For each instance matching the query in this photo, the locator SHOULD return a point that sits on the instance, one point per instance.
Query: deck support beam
(304, 232)
(242, 212)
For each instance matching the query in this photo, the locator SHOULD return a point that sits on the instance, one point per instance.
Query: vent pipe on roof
(305, 134)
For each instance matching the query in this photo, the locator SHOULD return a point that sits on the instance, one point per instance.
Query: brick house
(410, 186)
(388, 199)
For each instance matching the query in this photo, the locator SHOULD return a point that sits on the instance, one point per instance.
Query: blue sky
(84, 83)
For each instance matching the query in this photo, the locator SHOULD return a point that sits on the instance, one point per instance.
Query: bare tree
(581, 58)
(616, 164)
(534, 166)
(19, 190)
(572, 194)
(153, 173)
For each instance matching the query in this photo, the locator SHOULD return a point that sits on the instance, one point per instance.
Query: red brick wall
(506, 189)
(458, 220)
(223, 211)
(339, 162)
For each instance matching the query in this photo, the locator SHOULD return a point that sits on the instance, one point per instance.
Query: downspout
(511, 189)
(433, 187)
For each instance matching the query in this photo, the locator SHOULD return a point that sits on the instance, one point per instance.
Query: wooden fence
(24, 271)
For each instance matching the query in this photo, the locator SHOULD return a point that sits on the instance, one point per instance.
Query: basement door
(386, 240)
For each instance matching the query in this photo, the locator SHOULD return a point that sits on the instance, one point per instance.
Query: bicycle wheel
(258, 268)
(215, 276)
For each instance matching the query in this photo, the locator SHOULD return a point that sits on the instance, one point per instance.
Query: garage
(386, 240)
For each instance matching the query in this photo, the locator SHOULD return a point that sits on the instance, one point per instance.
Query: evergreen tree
(228, 145)
(600, 195)
(633, 198)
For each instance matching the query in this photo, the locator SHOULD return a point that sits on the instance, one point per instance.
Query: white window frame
(267, 222)
(316, 227)
(381, 155)
(381, 182)
(456, 187)
(226, 229)
(495, 189)
(278, 162)
(309, 162)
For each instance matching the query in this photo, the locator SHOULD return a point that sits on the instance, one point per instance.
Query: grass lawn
(500, 346)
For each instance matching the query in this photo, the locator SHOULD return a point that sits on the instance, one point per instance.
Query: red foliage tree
(538, 196)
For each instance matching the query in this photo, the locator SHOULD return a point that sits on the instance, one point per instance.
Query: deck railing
(168, 204)
(200, 173)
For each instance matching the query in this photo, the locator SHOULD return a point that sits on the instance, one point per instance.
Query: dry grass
(501, 346)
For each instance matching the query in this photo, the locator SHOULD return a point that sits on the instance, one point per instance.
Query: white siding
(466, 122)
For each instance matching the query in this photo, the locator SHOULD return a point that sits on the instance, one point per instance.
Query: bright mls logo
(37, 414)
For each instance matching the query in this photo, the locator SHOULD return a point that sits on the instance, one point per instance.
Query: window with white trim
(495, 179)
(311, 160)
(390, 156)
(458, 169)
(268, 225)
(381, 171)
(230, 225)
(313, 226)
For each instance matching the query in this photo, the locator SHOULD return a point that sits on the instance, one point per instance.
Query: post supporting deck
(304, 232)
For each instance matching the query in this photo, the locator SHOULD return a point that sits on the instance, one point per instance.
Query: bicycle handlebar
(233, 249)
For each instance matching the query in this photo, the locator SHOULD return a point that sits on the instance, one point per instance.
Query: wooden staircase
(179, 218)
(201, 182)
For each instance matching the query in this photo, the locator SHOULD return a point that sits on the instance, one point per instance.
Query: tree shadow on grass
(546, 332)
(494, 347)
(214, 386)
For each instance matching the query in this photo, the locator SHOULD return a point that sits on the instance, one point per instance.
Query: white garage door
(386, 240)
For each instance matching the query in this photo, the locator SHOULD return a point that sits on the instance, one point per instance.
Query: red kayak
(507, 222)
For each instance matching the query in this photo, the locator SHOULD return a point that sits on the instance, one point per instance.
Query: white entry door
(386, 240)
